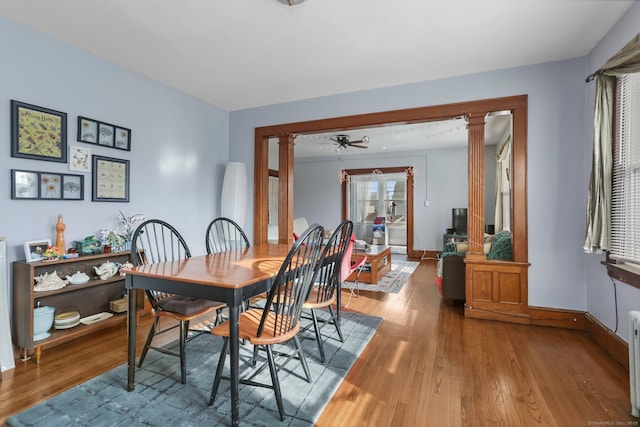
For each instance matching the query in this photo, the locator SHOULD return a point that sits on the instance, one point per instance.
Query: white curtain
(503, 166)
(369, 198)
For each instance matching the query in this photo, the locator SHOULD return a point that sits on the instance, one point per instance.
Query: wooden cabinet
(497, 290)
(88, 298)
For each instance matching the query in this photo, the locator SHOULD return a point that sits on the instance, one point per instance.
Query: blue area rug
(393, 281)
(159, 398)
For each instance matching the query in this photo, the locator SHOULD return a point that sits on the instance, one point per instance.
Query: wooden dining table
(228, 277)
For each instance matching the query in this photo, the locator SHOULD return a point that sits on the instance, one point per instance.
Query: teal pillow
(449, 247)
(501, 246)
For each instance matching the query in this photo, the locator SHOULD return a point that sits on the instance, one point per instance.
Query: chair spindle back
(157, 241)
(292, 284)
(331, 259)
(224, 234)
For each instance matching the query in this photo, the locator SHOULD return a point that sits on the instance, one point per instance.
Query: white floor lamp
(233, 203)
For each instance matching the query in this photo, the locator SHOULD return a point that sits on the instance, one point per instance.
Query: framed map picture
(38, 133)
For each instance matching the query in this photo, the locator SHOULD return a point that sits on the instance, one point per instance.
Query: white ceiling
(399, 138)
(239, 54)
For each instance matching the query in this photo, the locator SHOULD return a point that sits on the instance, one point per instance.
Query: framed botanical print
(105, 134)
(122, 138)
(110, 179)
(72, 187)
(38, 133)
(50, 185)
(24, 184)
(87, 130)
(79, 159)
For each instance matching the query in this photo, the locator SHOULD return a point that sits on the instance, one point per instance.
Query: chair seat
(248, 324)
(312, 300)
(188, 306)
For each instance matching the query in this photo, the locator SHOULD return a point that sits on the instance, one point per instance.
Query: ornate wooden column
(261, 190)
(496, 290)
(285, 189)
(475, 220)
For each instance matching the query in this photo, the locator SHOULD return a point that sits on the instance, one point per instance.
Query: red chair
(349, 268)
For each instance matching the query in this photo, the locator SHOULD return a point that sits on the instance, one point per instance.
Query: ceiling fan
(344, 142)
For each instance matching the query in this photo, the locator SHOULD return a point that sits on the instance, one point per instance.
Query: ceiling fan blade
(358, 146)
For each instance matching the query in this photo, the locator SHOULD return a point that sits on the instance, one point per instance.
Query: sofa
(450, 276)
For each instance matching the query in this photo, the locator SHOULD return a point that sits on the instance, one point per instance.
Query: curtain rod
(592, 76)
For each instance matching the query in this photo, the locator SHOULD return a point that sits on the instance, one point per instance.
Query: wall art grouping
(40, 133)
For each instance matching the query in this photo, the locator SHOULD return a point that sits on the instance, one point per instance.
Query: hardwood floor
(426, 366)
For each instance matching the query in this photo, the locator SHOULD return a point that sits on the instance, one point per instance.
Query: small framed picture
(87, 130)
(123, 138)
(105, 134)
(79, 159)
(38, 133)
(72, 187)
(34, 251)
(24, 184)
(50, 185)
(110, 179)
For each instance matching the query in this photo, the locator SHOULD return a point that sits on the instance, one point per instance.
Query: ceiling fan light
(291, 2)
(365, 139)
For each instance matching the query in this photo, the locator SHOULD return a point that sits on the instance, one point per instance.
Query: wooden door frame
(518, 105)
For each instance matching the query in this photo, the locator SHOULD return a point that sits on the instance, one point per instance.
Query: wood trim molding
(619, 272)
(559, 318)
(261, 190)
(516, 104)
(615, 346)
(608, 340)
(285, 189)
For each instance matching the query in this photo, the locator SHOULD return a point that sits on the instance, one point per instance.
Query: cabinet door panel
(497, 290)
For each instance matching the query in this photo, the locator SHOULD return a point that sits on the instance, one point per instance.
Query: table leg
(234, 351)
(339, 301)
(374, 271)
(131, 333)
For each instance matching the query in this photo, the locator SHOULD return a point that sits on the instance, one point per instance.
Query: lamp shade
(233, 202)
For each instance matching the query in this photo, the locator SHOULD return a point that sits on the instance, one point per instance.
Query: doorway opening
(377, 204)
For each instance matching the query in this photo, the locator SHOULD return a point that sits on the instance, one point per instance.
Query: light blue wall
(555, 145)
(180, 146)
(601, 291)
(440, 178)
(179, 143)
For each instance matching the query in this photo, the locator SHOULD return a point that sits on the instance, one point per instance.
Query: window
(625, 197)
